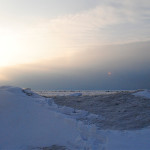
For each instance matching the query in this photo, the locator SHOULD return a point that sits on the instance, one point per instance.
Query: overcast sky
(75, 44)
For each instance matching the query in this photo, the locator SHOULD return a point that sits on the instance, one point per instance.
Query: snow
(76, 94)
(71, 93)
(29, 121)
(128, 140)
(26, 123)
(144, 93)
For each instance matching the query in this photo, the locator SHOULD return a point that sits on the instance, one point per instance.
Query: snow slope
(26, 123)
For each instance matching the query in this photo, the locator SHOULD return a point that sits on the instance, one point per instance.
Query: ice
(143, 93)
(76, 94)
(71, 93)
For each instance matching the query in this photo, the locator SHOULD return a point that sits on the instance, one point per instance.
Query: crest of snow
(145, 93)
(11, 89)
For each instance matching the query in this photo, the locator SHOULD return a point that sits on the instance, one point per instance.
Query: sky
(73, 45)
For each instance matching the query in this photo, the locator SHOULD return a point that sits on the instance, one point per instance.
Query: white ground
(143, 93)
(29, 121)
(70, 93)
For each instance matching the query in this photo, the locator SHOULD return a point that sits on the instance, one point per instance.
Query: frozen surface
(119, 111)
(76, 94)
(72, 93)
(144, 93)
(31, 122)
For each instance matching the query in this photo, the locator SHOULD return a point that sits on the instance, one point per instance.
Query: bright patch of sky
(62, 26)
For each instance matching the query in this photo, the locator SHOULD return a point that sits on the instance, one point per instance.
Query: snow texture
(27, 122)
(143, 93)
(76, 94)
(31, 122)
(119, 111)
(71, 93)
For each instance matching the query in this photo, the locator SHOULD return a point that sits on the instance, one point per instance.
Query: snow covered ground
(143, 93)
(76, 92)
(31, 122)
(26, 122)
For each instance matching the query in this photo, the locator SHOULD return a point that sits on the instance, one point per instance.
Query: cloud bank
(89, 69)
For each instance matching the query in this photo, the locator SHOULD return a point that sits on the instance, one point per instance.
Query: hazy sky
(75, 44)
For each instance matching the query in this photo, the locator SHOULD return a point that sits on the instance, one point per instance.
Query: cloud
(109, 23)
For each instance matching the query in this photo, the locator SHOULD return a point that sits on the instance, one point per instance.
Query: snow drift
(26, 123)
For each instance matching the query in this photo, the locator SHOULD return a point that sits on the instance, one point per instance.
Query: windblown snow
(31, 122)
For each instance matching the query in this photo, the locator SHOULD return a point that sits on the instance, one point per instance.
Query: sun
(109, 73)
(28, 45)
(9, 47)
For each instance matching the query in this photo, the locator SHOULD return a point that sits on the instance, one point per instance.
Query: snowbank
(26, 123)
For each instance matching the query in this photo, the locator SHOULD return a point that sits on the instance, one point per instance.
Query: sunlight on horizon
(29, 38)
(17, 47)
(9, 48)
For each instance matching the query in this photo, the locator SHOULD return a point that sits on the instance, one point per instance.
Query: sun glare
(19, 47)
(9, 47)
(109, 73)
